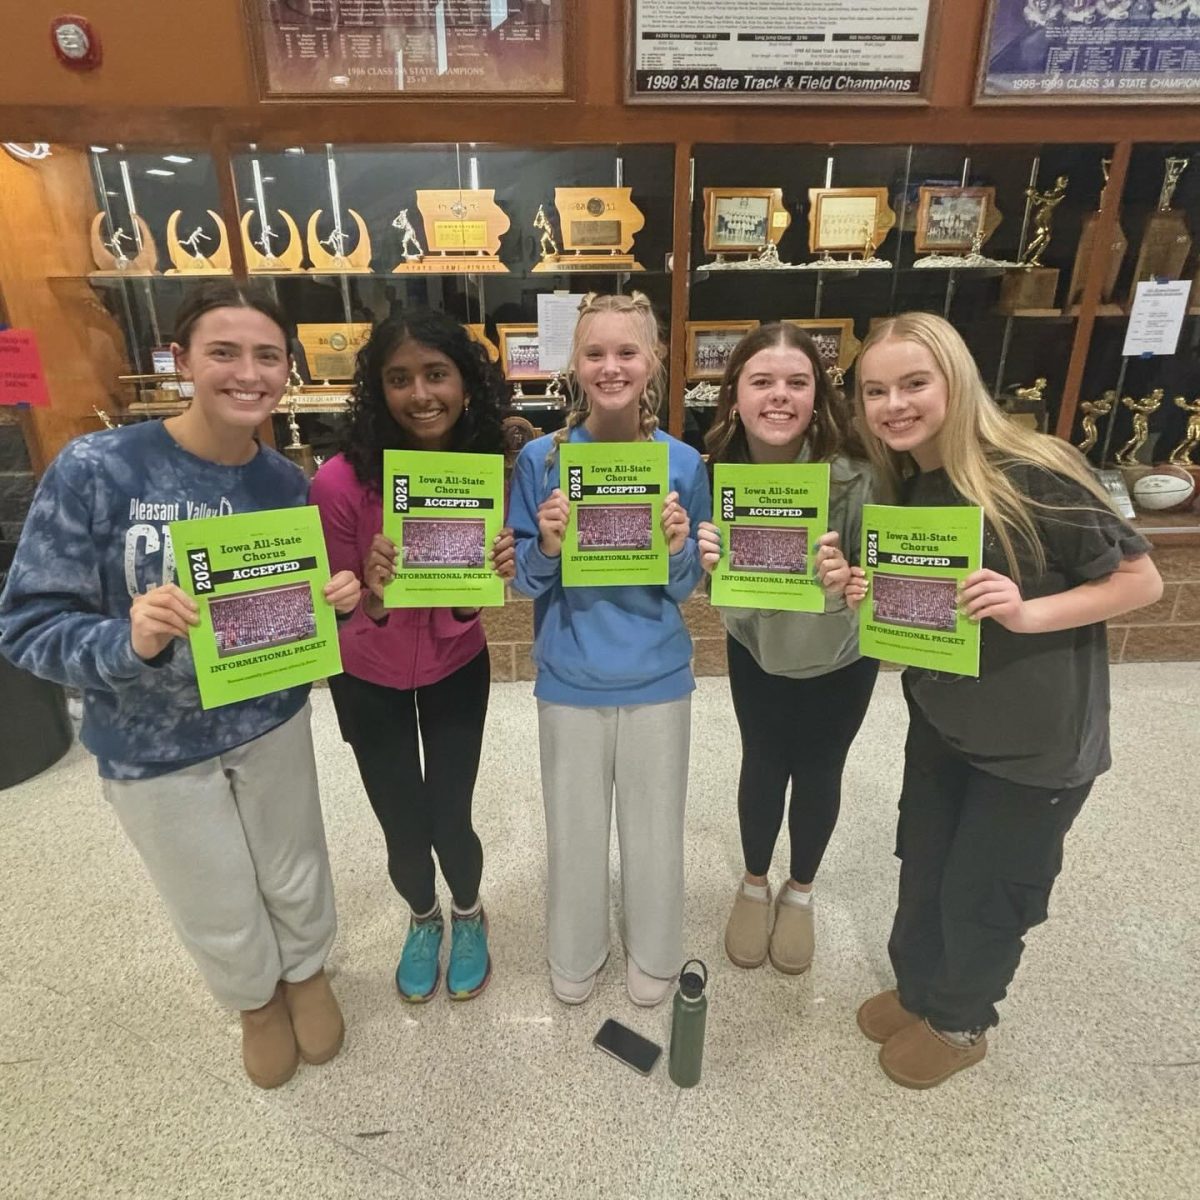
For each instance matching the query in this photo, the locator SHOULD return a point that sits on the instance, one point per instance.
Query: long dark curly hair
(372, 429)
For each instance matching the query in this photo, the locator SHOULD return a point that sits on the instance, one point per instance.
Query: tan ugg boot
(919, 1057)
(316, 1018)
(793, 938)
(748, 930)
(268, 1044)
(883, 1015)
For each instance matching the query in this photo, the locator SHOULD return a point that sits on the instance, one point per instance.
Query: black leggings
(978, 858)
(798, 730)
(420, 814)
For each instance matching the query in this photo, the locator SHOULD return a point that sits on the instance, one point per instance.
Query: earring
(733, 416)
(466, 403)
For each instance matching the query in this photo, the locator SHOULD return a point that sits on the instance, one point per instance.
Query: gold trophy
(462, 231)
(1181, 456)
(1032, 287)
(261, 255)
(597, 227)
(1142, 410)
(301, 453)
(1112, 264)
(1166, 241)
(112, 257)
(186, 254)
(1092, 409)
(330, 256)
(1029, 404)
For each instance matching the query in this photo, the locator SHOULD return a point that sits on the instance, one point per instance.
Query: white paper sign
(558, 315)
(1157, 318)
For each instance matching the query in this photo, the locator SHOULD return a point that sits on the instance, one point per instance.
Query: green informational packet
(258, 579)
(770, 518)
(916, 559)
(616, 492)
(443, 511)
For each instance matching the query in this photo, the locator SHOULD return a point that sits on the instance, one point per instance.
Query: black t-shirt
(1038, 713)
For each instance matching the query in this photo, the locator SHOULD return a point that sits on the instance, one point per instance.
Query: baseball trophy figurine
(596, 230)
(410, 248)
(1142, 411)
(462, 228)
(1092, 409)
(1032, 287)
(1181, 456)
(547, 247)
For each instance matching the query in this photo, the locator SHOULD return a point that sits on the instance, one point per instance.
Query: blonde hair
(977, 441)
(644, 333)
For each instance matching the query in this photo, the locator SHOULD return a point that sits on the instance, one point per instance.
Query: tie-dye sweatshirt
(95, 537)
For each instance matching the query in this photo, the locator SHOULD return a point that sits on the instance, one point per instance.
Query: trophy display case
(987, 235)
(355, 234)
(1139, 412)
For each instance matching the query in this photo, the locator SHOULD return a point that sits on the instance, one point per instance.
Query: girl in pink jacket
(416, 678)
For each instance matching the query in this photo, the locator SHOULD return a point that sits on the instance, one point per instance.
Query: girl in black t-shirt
(997, 768)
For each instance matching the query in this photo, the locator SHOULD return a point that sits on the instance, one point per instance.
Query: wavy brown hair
(830, 431)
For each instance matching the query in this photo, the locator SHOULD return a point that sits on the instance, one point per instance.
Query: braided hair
(644, 330)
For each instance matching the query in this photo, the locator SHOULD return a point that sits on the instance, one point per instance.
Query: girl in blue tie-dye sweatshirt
(221, 803)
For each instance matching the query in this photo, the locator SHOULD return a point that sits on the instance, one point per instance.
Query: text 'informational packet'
(770, 518)
(616, 492)
(443, 511)
(258, 579)
(916, 560)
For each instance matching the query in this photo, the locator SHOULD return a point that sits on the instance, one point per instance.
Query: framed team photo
(950, 218)
(519, 354)
(743, 220)
(834, 339)
(710, 343)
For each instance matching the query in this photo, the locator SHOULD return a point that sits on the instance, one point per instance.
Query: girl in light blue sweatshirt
(614, 677)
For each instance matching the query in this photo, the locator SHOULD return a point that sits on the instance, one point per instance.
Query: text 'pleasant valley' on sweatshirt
(96, 536)
(607, 646)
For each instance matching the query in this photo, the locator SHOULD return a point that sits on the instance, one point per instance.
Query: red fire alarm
(75, 42)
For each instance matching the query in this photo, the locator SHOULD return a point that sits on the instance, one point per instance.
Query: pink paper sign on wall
(22, 380)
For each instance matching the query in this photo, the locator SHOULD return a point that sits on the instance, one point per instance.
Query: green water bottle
(689, 1014)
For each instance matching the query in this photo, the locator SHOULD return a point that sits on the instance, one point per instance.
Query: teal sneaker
(470, 964)
(418, 975)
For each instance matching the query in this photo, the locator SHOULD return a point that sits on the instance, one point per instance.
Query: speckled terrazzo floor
(119, 1077)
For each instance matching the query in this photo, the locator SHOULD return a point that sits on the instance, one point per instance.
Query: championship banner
(770, 518)
(614, 534)
(443, 511)
(258, 580)
(916, 560)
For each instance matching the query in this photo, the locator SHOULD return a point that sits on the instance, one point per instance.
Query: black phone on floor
(631, 1048)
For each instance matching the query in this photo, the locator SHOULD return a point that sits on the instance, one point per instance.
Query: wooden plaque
(460, 222)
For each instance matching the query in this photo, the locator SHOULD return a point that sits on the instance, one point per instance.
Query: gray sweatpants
(235, 846)
(641, 754)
